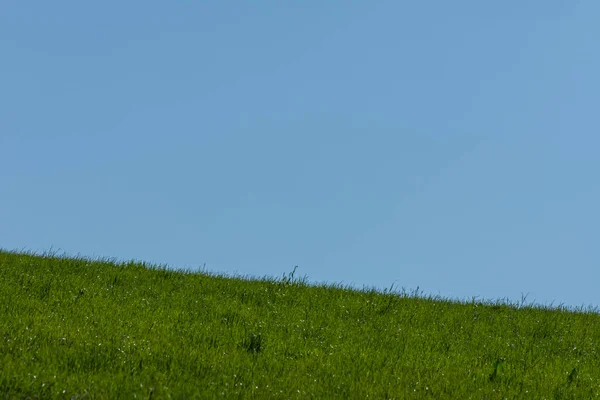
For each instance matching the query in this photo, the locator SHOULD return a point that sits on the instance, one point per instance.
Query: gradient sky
(453, 146)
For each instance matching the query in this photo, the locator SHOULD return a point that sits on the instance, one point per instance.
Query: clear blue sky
(452, 146)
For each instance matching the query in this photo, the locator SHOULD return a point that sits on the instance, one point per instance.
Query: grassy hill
(76, 328)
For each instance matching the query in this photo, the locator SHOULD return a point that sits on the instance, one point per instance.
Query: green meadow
(75, 328)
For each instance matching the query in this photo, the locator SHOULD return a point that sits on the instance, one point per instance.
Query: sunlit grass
(76, 328)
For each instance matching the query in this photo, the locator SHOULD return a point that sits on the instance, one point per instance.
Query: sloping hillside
(76, 328)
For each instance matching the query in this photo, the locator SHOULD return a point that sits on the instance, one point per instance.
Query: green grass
(76, 328)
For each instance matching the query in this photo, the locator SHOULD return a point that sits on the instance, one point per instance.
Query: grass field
(76, 328)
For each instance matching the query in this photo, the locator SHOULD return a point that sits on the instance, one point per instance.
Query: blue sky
(447, 145)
